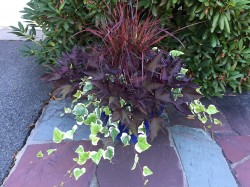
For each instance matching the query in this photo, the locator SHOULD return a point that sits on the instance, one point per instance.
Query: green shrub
(213, 34)
(217, 50)
(59, 21)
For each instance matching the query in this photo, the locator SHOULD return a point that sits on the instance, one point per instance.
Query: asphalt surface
(22, 95)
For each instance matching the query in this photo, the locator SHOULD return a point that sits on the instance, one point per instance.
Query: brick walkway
(184, 156)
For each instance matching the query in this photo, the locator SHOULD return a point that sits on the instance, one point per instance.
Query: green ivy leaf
(142, 129)
(87, 87)
(114, 131)
(122, 102)
(109, 153)
(199, 108)
(105, 131)
(80, 110)
(203, 119)
(78, 172)
(67, 110)
(83, 157)
(80, 149)
(79, 120)
(107, 111)
(217, 122)
(95, 128)
(69, 134)
(50, 151)
(142, 144)
(136, 159)
(146, 171)
(125, 138)
(58, 135)
(78, 94)
(39, 154)
(91, 118)
(94, 139)
(212, 110)
(96, 156)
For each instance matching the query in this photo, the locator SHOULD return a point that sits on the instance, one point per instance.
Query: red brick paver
(161, 158)
(52, 170)
(237, 151)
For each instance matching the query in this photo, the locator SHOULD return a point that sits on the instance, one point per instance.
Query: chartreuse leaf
(67, 110)
(109, 153)
(142, 129)
(142, 144)
(69, 134)
(94, 139)
(91, 118)
(80, 149)
(95, 128)
(114, 131)
(79, 120)
(122, 102)
(212, 109)
(107, 111)
(83, 157)
(217, 122)
(96, 156)
(50, 151)
(146, 171)
(125, 138)
(78, 172)
(58, 135)
(175, 53)
(202, 118)
(39, 154)
(77, 95)
(105, 132)
(136, 159)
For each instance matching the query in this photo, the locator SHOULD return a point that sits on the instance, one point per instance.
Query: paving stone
(161, 158)
(202, 159)
(178, 119)
(52, 170)
(235, 148)
(243, 173)
(52, 118)
(237, 112)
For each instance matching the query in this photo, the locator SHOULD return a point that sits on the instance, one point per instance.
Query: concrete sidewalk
(185, 156)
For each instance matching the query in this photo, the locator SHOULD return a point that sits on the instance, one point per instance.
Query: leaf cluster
(217, 49)
(215, 38)
(126, 68)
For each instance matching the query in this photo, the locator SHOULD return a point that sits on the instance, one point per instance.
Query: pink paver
(161, 158)
(243, 173)
(52, 170)
(235, 147)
